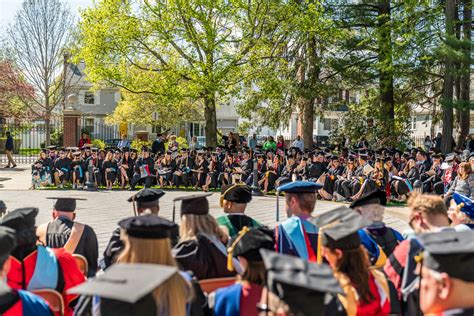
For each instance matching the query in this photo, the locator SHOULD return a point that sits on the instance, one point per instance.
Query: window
(89, 125)
(89, 98)
(413, 123)
(328, 123)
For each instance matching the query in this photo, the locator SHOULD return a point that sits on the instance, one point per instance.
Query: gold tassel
(319, 256)
(230, 250)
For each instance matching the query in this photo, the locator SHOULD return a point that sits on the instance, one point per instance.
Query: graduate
(371, 206)
(446, 269)
(16, 302)
(144, 169)
(367, 291)
(62, 169)
(145, 201)
(297, 236)
(64, 232)
(38, 267)
(234, 200)
(242, 297)
(202, 243)
(298, 287)
(142, 291)
(461, 212)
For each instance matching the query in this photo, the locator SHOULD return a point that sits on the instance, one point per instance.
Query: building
(97, 104)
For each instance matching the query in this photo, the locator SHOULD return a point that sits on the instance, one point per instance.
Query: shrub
(98, 143)
(138, 144)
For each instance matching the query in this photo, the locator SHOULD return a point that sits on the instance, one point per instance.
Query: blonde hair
(427, 204)
(192, 225)
(176, 292)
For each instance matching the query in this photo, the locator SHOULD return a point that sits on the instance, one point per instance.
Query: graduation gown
(201, 257)
(58, 233)
(235, 222)
(46, 268)
(23, 303)
(238, 299)
(297, 237)
(116, 245)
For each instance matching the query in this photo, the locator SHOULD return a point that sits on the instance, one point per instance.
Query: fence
(28, 139)
(98, 130)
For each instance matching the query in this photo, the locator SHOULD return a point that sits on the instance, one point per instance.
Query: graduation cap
(94, 149)
(338, 229)
(65, 204)
(148, 226)
(373, 197)
(7, 242)
(126, 283)
(450, 252)
(196, 204)
(247, 243)
(77, 153)
(450, 157)
(52, 147)
(237, 193)
(302, 285)
(125, 149)
(146, 197)
(297, 187)
(19, 219)
(145, 149)
(464, 204)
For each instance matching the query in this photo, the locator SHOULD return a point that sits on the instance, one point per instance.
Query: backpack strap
(76, 234)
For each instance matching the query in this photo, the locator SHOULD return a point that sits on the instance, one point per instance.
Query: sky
(8, 9)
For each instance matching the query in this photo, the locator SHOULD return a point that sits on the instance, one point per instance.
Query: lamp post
(255, 187)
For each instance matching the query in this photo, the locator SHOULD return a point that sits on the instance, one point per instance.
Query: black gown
(201, 257)
(58, 233)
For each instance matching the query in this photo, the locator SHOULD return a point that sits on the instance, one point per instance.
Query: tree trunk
(211, 121)
(47, 126)
(447, 96)
(464, 108)
(385, 60)
(308, 122)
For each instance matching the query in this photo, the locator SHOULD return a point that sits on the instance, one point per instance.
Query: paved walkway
(104, 209)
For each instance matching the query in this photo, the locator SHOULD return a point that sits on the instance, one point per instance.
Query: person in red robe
(367, 291)
(37, 267)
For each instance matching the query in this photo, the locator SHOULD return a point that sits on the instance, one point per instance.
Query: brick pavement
(103, 210)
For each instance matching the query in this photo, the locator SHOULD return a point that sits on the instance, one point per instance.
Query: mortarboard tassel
(230, 250)
(319, 257)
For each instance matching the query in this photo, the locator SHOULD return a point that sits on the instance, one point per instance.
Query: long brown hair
(255, 272)
(466, 168)
(174, 293)
(355, 264)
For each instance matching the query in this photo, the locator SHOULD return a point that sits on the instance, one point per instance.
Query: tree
(177, 52)
(464, 103)
(36, 41)
(15, 92)
(298, 73)
(447, 97)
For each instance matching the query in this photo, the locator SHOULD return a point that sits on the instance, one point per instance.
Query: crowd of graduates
(345, 174)
(343, 262)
